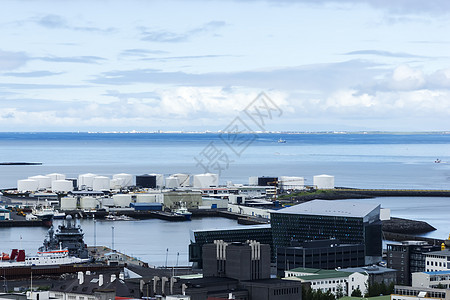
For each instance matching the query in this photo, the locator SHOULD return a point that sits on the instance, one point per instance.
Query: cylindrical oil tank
(45, 182)
(265, 181)
(101, 183)
(88, 203)
(107, 202)
(62, 185)
(292, 182)
(253, 180)
(115, 184)
(27, 185)
(159, 180)
(86, 181)
(184, 180)
(56, 176)
(68, 203)
(146, 181)
(122, 200)
(126, 180)
(172, 182)
(206, 180)
(324, 181)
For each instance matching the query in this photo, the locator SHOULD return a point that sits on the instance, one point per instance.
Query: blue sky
(195, 65)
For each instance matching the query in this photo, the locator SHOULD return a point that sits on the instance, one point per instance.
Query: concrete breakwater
(349, 193)
(405, 226)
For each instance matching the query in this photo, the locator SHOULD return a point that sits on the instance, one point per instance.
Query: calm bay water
(356, 160)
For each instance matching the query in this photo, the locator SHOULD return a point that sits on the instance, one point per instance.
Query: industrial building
(349, 222)
(408, 258)
(320, 254)
(238, 260)
(419, 293)
(259, 233)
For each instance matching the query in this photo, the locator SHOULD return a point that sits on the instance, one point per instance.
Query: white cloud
(407, 78)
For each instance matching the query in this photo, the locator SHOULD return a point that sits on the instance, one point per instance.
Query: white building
(438, 279)
(419, 293)
(330, 280)
(437, 261)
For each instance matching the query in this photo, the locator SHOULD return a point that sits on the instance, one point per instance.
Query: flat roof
(438, 272)
(330, 208)
(264, 226)
(445, 252)
(320, 273)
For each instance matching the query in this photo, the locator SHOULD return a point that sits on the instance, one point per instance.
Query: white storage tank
(101, 183)
(253, 180)
(184, 180)
(56, 176)
(324, 182)
(115, 184)
(122, 200)
(126, 180)
(45, 182)
(172, 182)
(107, 202)
(85, 181)
(291, 183)
(88, 203)
(159, 180)
(62, 186)
(27, 185)
(206, 180)
(68, 203)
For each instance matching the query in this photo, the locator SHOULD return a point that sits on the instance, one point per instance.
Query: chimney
(231, 296)
(80, 278)
(100, 280)
(121, 276)
(88, 272)
(113, 277)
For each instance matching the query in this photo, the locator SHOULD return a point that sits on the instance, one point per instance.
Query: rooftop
(445, 252)
(320, 273)
(438, 272)
(330, 208)
(369, 270)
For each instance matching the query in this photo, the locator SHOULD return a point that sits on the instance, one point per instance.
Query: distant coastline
(241, 132)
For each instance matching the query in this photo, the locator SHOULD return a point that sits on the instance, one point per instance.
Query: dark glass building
(408, 258)
(320, 254)
(349, 222)
(259, 233)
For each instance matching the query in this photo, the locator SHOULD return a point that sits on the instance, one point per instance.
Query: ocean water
(356, 160)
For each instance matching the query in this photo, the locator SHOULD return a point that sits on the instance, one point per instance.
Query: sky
(325, 65)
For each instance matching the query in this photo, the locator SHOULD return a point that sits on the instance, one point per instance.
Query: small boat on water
(183, 211)
(281, 141)
(118, 218)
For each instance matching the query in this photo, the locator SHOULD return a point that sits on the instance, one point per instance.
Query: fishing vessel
(183, 211)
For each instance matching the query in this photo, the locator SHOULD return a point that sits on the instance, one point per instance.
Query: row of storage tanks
(293, 182)
(58, 182)
(118, 200)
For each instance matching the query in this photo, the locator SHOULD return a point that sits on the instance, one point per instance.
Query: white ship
(45, 258)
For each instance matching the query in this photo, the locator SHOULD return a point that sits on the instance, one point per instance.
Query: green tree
(356, 293)
(339, 291)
